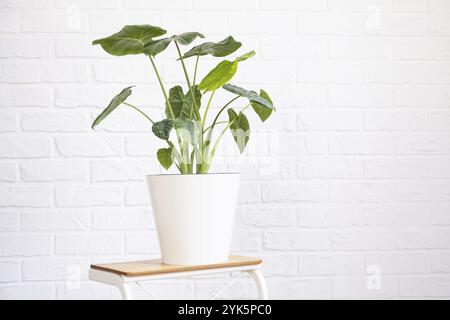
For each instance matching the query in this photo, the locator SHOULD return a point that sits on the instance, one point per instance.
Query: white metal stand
(123, 282)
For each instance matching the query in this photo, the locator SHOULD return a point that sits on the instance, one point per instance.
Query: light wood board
(151, 267)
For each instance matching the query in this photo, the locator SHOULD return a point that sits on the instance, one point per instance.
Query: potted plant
(194, 210)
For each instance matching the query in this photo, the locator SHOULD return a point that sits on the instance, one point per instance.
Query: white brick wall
(350, 179)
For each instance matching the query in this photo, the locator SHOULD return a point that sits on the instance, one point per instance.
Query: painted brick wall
(347, 184)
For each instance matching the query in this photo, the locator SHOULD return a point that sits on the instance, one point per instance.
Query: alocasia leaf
(176, 99)
(218, 76)
(240, 128)
(115, 102)
(188, 108)
(250, 95)
(130, 40)
(162, 128)
(158, 46)
(187, 37)
(217, 49)
(181, 103)
(164, 156)
(222, 73)
(262, 111)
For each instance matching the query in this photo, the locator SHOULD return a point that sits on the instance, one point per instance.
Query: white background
(349, 180)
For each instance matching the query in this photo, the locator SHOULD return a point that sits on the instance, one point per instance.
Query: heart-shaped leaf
(262, 111)
(222, 73)
(252, 96)
(162, 128)
(158, 46)
(218, 76)
(115, 102)
(130, 40)
(181, 103)
(164, 156)
(240, 128)
(176, 99)
(217, 49)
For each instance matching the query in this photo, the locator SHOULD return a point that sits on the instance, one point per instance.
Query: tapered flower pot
(194, 216)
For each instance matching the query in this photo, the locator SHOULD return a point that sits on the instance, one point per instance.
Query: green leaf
(187, 37)
(130, 40)
(252, 96)
(217, 49)
(222, 73)
(262, 111)
(245, 56)
(181, 103)
(162, 128)
(240, 128)
(158, 46)
(115, 102)
(218, 76)
(187, 111)
(164, 156)
(176, 99)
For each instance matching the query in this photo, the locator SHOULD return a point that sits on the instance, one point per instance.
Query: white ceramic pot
(194, 216)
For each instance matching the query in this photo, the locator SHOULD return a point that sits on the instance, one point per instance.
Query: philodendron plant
(193, 146)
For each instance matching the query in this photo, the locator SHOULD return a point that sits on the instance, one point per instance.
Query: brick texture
(345, 191)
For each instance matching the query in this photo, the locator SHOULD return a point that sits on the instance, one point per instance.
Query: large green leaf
(188, 108)
(162, 128)
(240, 128)
(262, 111)
(181, 103)
(130, 40)
(216, 49)
(176, 99)
(252, 96)
(158, 46)
(187, 37)
(164, 156)
(115, 102)
(218, 76)
(222, 73)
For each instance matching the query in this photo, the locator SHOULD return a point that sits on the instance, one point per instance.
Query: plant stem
(203, 127)
(213, 151)
(195, 70)
(223, 108)
(149, 119)
(188, 81)
(245, 108)
(166, 97)
(208, 128)
(140, 111)
(207, 108)
(168, 104)
(207, 143)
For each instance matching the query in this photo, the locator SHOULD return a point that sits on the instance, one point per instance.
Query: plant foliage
(183, 123)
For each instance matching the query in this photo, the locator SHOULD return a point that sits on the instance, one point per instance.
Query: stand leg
(125, 291)
(261, 286)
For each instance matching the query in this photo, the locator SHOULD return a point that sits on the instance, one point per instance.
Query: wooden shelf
(152, 267)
